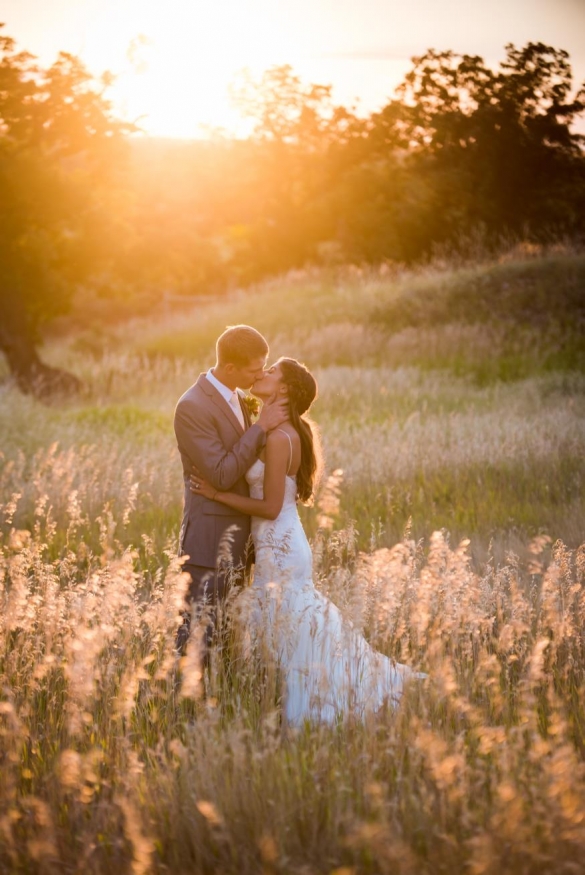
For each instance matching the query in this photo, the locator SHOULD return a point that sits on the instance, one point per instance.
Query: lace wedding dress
(329, 669)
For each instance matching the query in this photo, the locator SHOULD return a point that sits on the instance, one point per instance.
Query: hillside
(451, 396)
(448, 528)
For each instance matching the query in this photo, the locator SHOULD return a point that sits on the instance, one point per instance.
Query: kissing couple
(243, 480)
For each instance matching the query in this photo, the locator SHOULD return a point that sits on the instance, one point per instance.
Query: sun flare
(174, 66)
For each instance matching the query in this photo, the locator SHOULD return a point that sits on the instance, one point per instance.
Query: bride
(329, 669)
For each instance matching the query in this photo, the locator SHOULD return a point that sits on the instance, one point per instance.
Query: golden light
(175, 62)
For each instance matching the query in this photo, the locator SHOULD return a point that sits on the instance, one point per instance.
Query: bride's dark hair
(302, 391)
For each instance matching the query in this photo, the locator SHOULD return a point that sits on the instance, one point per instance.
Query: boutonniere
(252, 405)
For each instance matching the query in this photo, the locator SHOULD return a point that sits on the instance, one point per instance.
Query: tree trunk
(31, 374)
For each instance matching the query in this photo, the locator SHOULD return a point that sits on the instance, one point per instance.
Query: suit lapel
(221, 403)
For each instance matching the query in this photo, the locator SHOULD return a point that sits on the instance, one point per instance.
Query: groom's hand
(274, 412)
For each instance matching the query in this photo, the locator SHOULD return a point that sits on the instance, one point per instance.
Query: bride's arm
(276, 465)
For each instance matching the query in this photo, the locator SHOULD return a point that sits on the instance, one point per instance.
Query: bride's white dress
(329, 669)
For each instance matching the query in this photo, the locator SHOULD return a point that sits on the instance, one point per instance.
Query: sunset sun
(174, 66)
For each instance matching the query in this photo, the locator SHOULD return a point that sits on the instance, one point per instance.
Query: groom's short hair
(239, 345)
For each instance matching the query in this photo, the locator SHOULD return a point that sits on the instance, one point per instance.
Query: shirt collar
(221, 387)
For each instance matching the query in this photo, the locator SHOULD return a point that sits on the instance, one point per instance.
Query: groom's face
(246, 375)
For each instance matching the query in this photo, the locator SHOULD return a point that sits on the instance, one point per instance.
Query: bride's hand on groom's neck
(274, 412)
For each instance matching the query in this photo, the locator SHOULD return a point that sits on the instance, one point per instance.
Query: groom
(214, 434)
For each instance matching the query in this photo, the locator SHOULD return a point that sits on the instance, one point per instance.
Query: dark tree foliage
(57, 144)
(463, 146)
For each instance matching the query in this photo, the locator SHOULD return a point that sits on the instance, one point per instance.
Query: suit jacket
(210, 437)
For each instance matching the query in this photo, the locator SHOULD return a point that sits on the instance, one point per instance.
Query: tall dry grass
(117, 756)
(448, 530)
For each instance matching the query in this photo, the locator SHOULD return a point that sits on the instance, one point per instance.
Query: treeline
(86, 207)
(462, 148)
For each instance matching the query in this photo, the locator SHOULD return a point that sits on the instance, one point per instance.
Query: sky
(175, 59)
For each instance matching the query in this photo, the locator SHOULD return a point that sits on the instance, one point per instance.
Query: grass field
(452, 400)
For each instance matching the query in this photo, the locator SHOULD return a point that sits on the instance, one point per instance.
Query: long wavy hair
(302, 391)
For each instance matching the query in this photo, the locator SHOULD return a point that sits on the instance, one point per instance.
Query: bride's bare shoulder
(283, 435)
(278, 437)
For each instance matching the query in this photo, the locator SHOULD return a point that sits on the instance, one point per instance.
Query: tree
(58, 145)
(462, 147)
(497, 145)
(296, 129)
(286, 111)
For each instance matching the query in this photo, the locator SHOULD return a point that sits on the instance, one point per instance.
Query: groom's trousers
(208, 588)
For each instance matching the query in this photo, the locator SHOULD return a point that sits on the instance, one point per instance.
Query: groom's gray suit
(210, 436)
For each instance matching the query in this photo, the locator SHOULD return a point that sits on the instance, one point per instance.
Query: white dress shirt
(230, 395)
